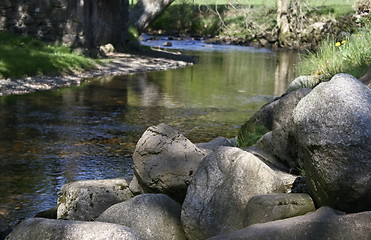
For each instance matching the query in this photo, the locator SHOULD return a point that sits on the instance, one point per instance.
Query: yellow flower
(337, 44)
(343, 42)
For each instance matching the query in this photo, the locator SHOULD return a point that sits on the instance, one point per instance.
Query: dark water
(51, 138)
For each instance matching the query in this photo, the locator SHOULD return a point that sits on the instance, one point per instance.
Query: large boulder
(222, 186)
(50, 229)
(333, 126)
(323, 224)
(86, 200)
(165, 161)
(283, 142)
(156, 216)
(275, 206)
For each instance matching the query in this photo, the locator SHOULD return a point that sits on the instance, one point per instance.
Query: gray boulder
(323, 224)
(155, 216)
(275, 206)
(86, 200)
(333, 126)
(216, 143)
(165, 161)
(303, 82)
(283, 142)
(219, 191)
(51, 229)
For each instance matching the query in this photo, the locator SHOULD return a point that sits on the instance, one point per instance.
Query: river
(51, 138)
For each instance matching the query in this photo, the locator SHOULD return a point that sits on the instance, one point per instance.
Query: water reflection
(89, 132)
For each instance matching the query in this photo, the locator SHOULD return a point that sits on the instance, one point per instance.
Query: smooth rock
(86, 200)
(275, 206)
(216, 143)
(323, 224)
(51, 229)
(155, 216)
(219, 192)
(333, 126)
(165, 161)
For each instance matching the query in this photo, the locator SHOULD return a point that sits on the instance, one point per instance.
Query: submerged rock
(333, 127)
(165, 161)
(218, 194)
(155, 216)
(86, 200)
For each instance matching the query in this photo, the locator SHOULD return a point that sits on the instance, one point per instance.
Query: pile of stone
(215, 190)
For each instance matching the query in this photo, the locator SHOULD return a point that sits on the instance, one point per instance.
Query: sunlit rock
(333, 127)
(275, 206)
(86, 200)
(156, 216)
(165, 161)
(325, 223)
(218, 194)
(41, 228)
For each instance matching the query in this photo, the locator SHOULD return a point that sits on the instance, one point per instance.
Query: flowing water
(51, 138)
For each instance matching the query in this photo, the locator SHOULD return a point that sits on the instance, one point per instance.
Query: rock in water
(333, 131)
(165, 161)
(86, 200)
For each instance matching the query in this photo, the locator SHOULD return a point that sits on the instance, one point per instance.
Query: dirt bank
(115, 64)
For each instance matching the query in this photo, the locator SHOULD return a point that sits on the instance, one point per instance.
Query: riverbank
(114, 64)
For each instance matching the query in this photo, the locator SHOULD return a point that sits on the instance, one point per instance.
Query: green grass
(249, 18)
(351, 55)
(25, 56)
(249, 133)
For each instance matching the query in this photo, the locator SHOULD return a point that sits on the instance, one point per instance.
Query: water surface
(51, 138)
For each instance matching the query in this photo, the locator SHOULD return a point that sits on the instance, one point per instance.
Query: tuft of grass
(352, 55)
(24, 56)
(250, 132)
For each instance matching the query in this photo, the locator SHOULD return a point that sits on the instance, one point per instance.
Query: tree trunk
(146, 11)
(282, 19)
(105, 21)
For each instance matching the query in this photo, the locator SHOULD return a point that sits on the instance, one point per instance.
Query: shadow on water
(51, 138)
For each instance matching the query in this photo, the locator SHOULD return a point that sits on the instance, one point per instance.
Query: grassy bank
(25, 56)
(238, 18)
(351, 54)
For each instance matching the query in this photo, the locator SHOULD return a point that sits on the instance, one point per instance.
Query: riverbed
(89, 131)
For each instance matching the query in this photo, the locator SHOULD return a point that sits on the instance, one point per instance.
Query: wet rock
(333, 126)
(165, 161)
(325, 223)
(50, 229)
(275, 206)
(156, 216)
(86, 200)
(4, 230)
(220, 190)
(167, 44)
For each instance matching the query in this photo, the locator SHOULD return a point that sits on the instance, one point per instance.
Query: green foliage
(25, 56)
(250, 132)
(352, 55)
